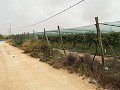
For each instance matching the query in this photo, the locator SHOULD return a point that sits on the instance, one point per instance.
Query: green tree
(1, 36)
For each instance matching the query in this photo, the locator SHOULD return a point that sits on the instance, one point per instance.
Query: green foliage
(35, 48)
(27, 46)
(88, 39)
(1, 36)
(78, 42)
(74, 63)
(86, 42)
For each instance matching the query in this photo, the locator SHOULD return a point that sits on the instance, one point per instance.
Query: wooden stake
(46, 37)
(61, 40)
(33, 33)
(99, 39)
(10, 29)
(47, 40)
(28, 36)
(18, 36)
(24, 36)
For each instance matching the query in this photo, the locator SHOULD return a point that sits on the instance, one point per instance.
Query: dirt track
(21, 72)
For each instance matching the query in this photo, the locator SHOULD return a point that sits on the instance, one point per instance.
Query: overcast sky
(26, 12)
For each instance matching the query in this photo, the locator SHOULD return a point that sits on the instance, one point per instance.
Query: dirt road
(21, 72)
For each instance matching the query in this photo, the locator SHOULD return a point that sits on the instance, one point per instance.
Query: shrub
(26, 46)
(35, 48)
(108, 76)
(77, 63)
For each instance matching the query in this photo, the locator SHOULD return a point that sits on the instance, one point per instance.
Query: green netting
(104, 27)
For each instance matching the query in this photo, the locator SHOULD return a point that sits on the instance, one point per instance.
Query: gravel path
(22, 72)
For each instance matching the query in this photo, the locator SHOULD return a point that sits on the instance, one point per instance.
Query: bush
(35, 48)
(108, 76)
(75, 63)
(52, 59)
(26, 46)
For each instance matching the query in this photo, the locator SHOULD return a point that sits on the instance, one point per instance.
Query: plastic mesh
(104, 27)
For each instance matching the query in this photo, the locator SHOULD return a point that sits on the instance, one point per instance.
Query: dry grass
(107, 77)
(35, 48)
(10, 42)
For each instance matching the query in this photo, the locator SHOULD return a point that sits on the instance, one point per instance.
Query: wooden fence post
(99, 39)
(33, 33)
(46, 37)
(47, 40)
(61, 40)
(28, 36)
(24, 36)
(19, 37)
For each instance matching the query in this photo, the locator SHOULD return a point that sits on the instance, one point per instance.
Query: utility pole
(10, 27)
(8, 33)
(10, 30)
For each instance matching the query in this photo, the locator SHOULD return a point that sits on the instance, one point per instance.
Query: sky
(21, 13)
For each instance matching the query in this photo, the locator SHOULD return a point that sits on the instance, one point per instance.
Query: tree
(1, 36)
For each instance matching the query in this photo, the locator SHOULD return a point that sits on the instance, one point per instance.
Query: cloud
(26, 12)
(104, 9)
(100, 8)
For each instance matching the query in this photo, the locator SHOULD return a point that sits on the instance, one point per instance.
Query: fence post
(28, 36)
(24, 36)
(33, 33)
(10, 29)
(46, 37)
(18, 36)
(99, 39)
(33, 37)
(61, 40)
(47, 40)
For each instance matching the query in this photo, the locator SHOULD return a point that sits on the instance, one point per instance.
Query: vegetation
(1, 36)
(86, 43)
(107, 76)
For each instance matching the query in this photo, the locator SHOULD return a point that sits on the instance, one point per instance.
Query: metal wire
(109, 25)
(52, 16)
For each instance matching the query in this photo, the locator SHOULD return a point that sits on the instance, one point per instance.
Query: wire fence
(80, 39)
